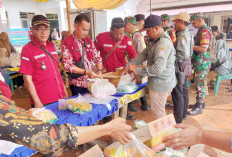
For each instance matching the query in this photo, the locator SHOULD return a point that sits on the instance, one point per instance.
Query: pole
(68, 15)
(150, 7)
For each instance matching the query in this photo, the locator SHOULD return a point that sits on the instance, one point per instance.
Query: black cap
(40, 20)
(117, 22)
(139, 17)
(214, 28)
(152, 21)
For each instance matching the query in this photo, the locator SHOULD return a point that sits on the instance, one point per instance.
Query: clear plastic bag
(127, 83)
(44, 114)
(102, 88)
(78, 105)
(63, 105)
(135, 148)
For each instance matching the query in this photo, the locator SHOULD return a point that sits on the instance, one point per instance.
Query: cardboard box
(141, 79)
(113, 77)
(95, 151)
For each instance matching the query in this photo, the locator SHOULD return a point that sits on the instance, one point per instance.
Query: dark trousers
(180, 100)
(77, 90)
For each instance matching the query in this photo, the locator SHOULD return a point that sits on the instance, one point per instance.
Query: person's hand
(91, 74)
(182, 139)
(121, 71)
(119, 130)
(38, 104)
(99, 74)
(66, 92)
(132, 68)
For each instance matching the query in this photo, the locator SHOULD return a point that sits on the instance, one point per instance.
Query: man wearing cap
(201, 56)
(79, 54)
(113, 46)
(165, 23)
(160, 69)
(139, 44)
(39, 66)
(184, 50)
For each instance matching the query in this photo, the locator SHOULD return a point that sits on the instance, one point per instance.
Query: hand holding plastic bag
(127, 83)
(102, 88)
(135, 148)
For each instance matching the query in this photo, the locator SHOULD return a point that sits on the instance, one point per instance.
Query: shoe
(132, 108)
(107, 119)
(196, 110)
(144, 106)
(129, 116)
(192, 106)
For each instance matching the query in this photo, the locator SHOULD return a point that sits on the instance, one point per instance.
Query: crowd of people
(166, 55)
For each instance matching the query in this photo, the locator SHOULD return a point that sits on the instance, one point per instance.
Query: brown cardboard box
(95, 151)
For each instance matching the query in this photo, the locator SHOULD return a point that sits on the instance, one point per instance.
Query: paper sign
(161, 125)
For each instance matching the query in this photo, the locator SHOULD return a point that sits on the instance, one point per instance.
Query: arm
(130, 49)
(191, 135)
(200, 48)
(32, 91)
(138, 42)
(204, 42)
(97, 60)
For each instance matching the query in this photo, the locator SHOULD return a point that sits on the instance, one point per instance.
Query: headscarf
(5, 43)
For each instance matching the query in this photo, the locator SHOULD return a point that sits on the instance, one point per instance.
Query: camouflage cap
(130, 19)
(195, 16)
(165, 17)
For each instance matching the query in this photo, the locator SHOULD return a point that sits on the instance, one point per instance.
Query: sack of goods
(44, 114)
(127, 83)
(135, 148)
(101, 88)
(78, 105)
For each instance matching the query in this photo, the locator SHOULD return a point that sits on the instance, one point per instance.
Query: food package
(169, 152)
(113, 77)
(139, 124)
(63, 105)
(77, 105)
(127, 83)
(44, 114)
(135, 148)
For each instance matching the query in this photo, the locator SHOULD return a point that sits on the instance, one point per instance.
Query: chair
(218, 80)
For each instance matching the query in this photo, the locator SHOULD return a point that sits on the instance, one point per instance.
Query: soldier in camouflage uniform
(201, 58)
(165, 22)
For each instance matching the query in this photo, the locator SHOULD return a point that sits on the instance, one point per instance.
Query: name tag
(108, 45)
(54, 53)
(39, 56)
(122, 46)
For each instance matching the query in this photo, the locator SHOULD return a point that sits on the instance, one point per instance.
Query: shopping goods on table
(127, 83)
(101, 88)
(77, 105)
(44, 114)
(135, 148)
(113, 77)
(63, 105)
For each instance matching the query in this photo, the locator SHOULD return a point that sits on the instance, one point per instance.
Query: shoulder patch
(204, 34)
(129, 43)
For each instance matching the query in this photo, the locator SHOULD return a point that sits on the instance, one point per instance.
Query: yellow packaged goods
(78, 106)
(45, 115)
(113, 77)
(135, 148)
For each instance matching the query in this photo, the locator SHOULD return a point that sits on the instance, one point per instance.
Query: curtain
(99, 4)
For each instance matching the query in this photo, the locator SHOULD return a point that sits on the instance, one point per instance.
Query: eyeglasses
(40, 30)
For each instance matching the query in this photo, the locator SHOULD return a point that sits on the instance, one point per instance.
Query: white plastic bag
(127, 83)
(44, 114)
(135, 148)
(15, 59)
(102, 88)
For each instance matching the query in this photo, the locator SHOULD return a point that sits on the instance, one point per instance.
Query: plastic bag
(78, 105)
(14, 59)
(44, 114)
(102, 88)
(63, 105)
(169, 152)
(135, 148)
(127, 83)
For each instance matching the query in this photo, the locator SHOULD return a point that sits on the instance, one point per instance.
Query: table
(9, 74)
(118, 105)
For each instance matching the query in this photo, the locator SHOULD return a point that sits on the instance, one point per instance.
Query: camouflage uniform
(202, 61)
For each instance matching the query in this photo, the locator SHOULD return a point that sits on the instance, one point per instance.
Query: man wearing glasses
(39, 66)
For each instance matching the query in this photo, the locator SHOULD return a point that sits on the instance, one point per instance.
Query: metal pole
(150, 7)
(68, 15)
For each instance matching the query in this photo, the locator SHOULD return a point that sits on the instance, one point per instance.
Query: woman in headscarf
(5, 43)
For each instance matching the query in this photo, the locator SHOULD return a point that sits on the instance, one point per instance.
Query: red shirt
(48, 83)
(71, 52)
(104, 43)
